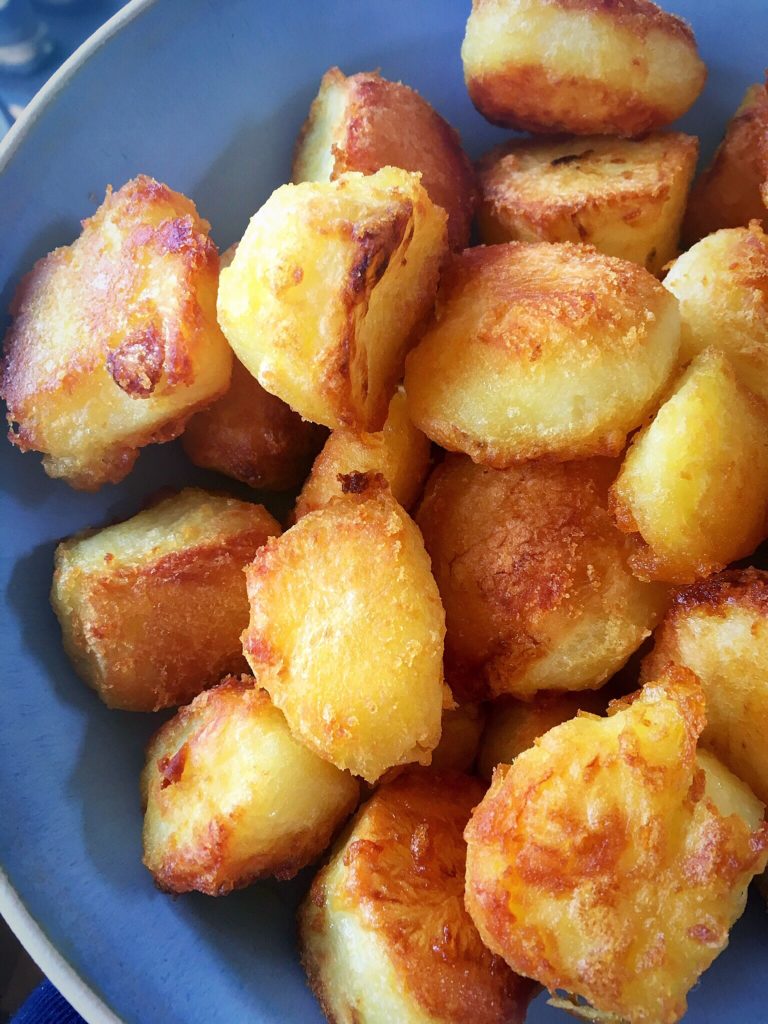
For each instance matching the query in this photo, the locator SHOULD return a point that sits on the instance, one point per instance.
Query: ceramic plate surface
(206, 95)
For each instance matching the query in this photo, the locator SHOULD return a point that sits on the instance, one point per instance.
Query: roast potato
(694, 484)
(587, 67)
(114, 341)
(252, 436)
(625, 197)
(533, 575)
(601, 862)
(734, 189)
(719, 629)
(462, 727)
(541, 350)
(346, 632)
(231, 796)
(722, 287)
(384, 934)
(399, 452)
(327, 286)
(151, 609)
(364, 122)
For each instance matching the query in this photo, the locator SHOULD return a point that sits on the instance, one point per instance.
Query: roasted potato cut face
(114, 341)
(533, 574)
(346, 632)
(326, 289)
(721, 285)
(385, 936)
(718, 628)
(580, 67)
(399, 452)
(230, 796)
(151, 609)
(734, 189)
(625, 197)
(513, 726)
(252, 436)
(541, 350)
(462, 728)
(606, 862)
(694, 484)
(364, 122)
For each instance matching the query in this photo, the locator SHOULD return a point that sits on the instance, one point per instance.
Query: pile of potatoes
(523, 469)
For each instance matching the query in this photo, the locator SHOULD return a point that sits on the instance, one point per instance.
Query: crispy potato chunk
(514, 725)
(462, 728)
(385, 936)
(399, 452)
(719, 629)
(231, 796)
(694, 484)
(114, 342)
(252, 436)
(541, 350)
(734, 189)
(627, 198)
(588, 67)
(363, 123)
(151, 610)
(722, 287)
(346, 633)
(533, 575)
(601, 863)
(328, 285)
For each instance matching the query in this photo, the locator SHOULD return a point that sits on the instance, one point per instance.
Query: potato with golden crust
(718, 628)
(252, 436)
(151, 609)
(114, 341)
(541, 351)
(462, 727)
(584, 67)
(513, 725)
(733, 190)
(533, 575)
(625, 197)
(363, 122)
(605, 863)
(399, 452)
(694, 484)
(721, 285)
(384, 933)
(346, 632)
(230, 796)
(328, 285)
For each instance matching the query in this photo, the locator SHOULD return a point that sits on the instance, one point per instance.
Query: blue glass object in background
(24, 41)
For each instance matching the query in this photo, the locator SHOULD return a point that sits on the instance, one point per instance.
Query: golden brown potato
(462, 728)
(734, 189)
(601, 863)
(513, 725)
(694, 484)
(114, 342)
(327, 286)
(541, 350)
(231, 796)
(722, 287)
(252, 436)
(346, 633)
(587, 67)
(719, 629)
(385, 937)
(625, 197)
(399, 452)
(533, 575)
(151, 609)
(363, 123)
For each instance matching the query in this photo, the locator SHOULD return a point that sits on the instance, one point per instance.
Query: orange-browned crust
(640, 16)
(715, 594)
(405, 878)
(252, 436)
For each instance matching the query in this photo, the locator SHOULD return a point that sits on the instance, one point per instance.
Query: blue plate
(206, 95)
